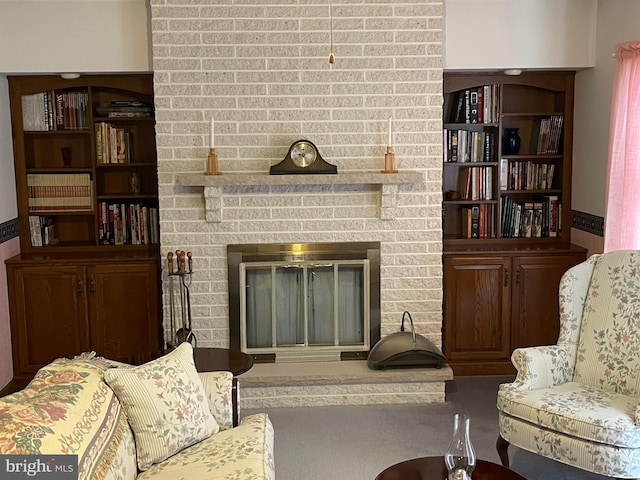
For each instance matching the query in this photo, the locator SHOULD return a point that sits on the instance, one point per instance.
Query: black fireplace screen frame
(258, 252)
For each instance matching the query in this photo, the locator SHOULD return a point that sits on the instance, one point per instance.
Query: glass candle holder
(460, 457)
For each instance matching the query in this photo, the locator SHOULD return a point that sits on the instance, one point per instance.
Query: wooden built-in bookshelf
(506, 214)
(509, 192)
(88, 277)
(99, 128)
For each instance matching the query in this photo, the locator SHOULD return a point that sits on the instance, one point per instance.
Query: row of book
(469, 146)
(478, 221)
(476, 183)
(59, 192)
(127, 224)
(537, 218)
(113, 144)
(55, 110)
(41, 231)
(473, 105)
(525, 175)
(548, 132)
(125, 109)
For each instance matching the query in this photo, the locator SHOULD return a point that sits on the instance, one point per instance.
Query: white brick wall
(260, 68)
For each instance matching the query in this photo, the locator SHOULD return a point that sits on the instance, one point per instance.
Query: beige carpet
(356, 443)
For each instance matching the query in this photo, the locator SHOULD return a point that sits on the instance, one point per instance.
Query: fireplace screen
(309, 306)
(304, 304)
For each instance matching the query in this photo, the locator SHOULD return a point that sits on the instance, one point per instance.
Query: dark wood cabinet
(534, 312)
(88, 276)
(496, 301)
(48, 308)
(61, 310)
(476, 308)
(124, 309)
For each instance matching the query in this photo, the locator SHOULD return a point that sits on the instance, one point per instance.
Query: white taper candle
(211, 134)
(389, 140)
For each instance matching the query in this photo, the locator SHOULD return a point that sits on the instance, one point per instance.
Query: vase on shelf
(460, 457)
(510, 141)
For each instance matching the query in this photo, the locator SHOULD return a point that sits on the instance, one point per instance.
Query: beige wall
(40, 36)
(617, 23)
(531, 34)
(7, 249)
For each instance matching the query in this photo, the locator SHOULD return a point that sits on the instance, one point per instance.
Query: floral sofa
(161, 420)
(578, 402)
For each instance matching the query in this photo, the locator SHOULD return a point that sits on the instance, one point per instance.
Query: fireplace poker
(182, 331)
(190, 335)
(172, 306)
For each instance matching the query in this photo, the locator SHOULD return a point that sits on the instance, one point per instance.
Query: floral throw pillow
(165, 403)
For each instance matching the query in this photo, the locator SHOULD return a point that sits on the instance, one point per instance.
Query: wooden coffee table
(433, 468)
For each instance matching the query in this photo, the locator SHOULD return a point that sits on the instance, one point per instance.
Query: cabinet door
(476, 308)
(535, 308)
(124, 304)
(48, 315)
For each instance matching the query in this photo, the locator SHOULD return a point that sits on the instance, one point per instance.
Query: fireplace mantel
(214, 185)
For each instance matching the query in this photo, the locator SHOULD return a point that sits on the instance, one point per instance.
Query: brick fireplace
(261, 72)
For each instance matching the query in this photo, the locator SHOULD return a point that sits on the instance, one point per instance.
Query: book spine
(473, 106)
(475, 221)
(480, 114)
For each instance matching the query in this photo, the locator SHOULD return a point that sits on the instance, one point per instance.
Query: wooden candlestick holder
(389, 161)
(212, 163)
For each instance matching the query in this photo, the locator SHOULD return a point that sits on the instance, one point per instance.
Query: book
(536, 224)
(470, 221)
(47, 231)
(59, 192)
(526, 229)
(467, 105)
(473, 106)
(459, 116)
(454, 146)
(34, 231)
(489, 146)
(480, 114)
(475, 221)
(504, 174)
(448, 106)
(34, 117)
(554, 216)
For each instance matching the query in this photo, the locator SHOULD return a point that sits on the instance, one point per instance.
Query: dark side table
(433, 468)
(224, 359)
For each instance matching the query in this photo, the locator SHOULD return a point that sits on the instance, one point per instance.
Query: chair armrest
(542, 367)
(219, 389)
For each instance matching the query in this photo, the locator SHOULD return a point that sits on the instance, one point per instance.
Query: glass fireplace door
(314, 310)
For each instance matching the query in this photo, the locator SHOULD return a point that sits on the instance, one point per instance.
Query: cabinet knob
(506, 277)
(80, 286)
(92, 284)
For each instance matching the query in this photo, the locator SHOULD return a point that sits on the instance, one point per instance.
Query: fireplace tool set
(182, 271)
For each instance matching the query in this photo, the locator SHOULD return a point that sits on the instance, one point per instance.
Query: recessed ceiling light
(513, 71)
(70, 76)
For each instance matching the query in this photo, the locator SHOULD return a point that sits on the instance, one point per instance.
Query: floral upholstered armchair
(578, 402)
